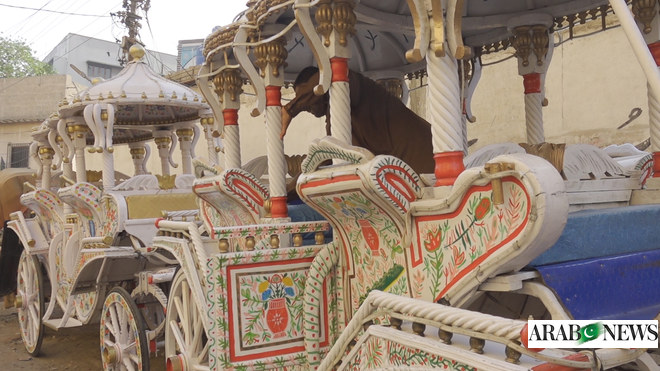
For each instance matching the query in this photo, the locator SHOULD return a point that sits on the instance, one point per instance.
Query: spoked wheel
(123, 338)
(152, 308)
(30, 302)
(186, 342)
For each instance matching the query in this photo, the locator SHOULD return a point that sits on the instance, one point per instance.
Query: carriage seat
(608, 255)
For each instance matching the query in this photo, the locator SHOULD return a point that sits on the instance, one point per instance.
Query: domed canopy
(385, 30)
(143, 100)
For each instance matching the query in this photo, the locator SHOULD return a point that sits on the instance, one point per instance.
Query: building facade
(24, 104)
(98, 58)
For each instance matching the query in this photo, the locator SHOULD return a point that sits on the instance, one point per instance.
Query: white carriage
(423, 270)
(87, 242)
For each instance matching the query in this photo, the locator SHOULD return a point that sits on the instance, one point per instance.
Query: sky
(169, 21)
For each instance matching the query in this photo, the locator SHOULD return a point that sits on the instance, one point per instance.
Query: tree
(17, 60)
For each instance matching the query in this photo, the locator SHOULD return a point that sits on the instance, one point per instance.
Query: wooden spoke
(30, 288)
(186, 340)
(124, 343)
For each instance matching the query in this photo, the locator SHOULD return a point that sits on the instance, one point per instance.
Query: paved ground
(66, 349)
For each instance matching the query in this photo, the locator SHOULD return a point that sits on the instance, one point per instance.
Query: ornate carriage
(434, 270)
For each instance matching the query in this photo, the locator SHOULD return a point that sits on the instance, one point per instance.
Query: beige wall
(26, 102)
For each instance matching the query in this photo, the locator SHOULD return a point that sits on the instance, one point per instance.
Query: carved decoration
(185, 134)
(344, 20)
(522, 42)
(540, 40)
(166, 181)
(438, 30)
(276, 55)
(230, 81)
(46, 153)
(93, 176)
(137, 153)
(162, 142)
(644, 11)
(272, 54)
(323, 17)
(339, 18)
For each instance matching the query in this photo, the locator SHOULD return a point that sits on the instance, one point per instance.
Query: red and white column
(444, 112)
(275, 149)
(534, 45)
(273, 55)
(533, 108)
(232, 138)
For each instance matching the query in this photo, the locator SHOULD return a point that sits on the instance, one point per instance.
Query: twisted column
(185, 137)
(340, 101)
(533, 105)
(46, 157)
(108, 170)
(275, 150)
(207, 126)
(232, 138)
(138, 151)
(163, 141)
(444, 111)
(79, 143)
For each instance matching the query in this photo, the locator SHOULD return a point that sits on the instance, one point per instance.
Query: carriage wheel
(123, 339)
(186, 342)
(152, 308)
(30, 302)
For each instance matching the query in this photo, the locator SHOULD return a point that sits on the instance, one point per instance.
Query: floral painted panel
(447, 246)
(48, 207)
(372, 244)
(377, 353)
(111, 216)
(256, 308)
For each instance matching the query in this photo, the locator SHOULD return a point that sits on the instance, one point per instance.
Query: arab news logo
(592, 334)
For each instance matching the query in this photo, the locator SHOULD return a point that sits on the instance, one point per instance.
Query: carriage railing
(410, 315)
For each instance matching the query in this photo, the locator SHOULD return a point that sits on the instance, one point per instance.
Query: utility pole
(130, 18)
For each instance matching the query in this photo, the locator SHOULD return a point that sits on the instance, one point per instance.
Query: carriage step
(55, 323)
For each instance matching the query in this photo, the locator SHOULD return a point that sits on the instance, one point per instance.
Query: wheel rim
(30, 295)
(123, 338)
(186, 342)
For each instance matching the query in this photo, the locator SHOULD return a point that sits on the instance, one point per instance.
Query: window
(19, 155)
(101, 70)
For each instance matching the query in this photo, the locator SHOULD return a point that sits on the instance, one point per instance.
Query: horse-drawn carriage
(434, 270)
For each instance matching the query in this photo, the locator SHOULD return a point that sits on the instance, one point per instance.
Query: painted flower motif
(433, 240)
(276, 286)
(457, 256)
(482, 209)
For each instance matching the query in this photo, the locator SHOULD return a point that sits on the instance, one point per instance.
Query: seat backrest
(85, 199)
(233, 197)
(366, 204)
(49, 207)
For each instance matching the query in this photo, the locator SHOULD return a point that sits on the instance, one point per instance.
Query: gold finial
(136, 51)
(161, 94)
(96, 80)
(144, 95)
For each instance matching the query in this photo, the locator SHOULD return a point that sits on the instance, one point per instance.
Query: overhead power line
(55, 11)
